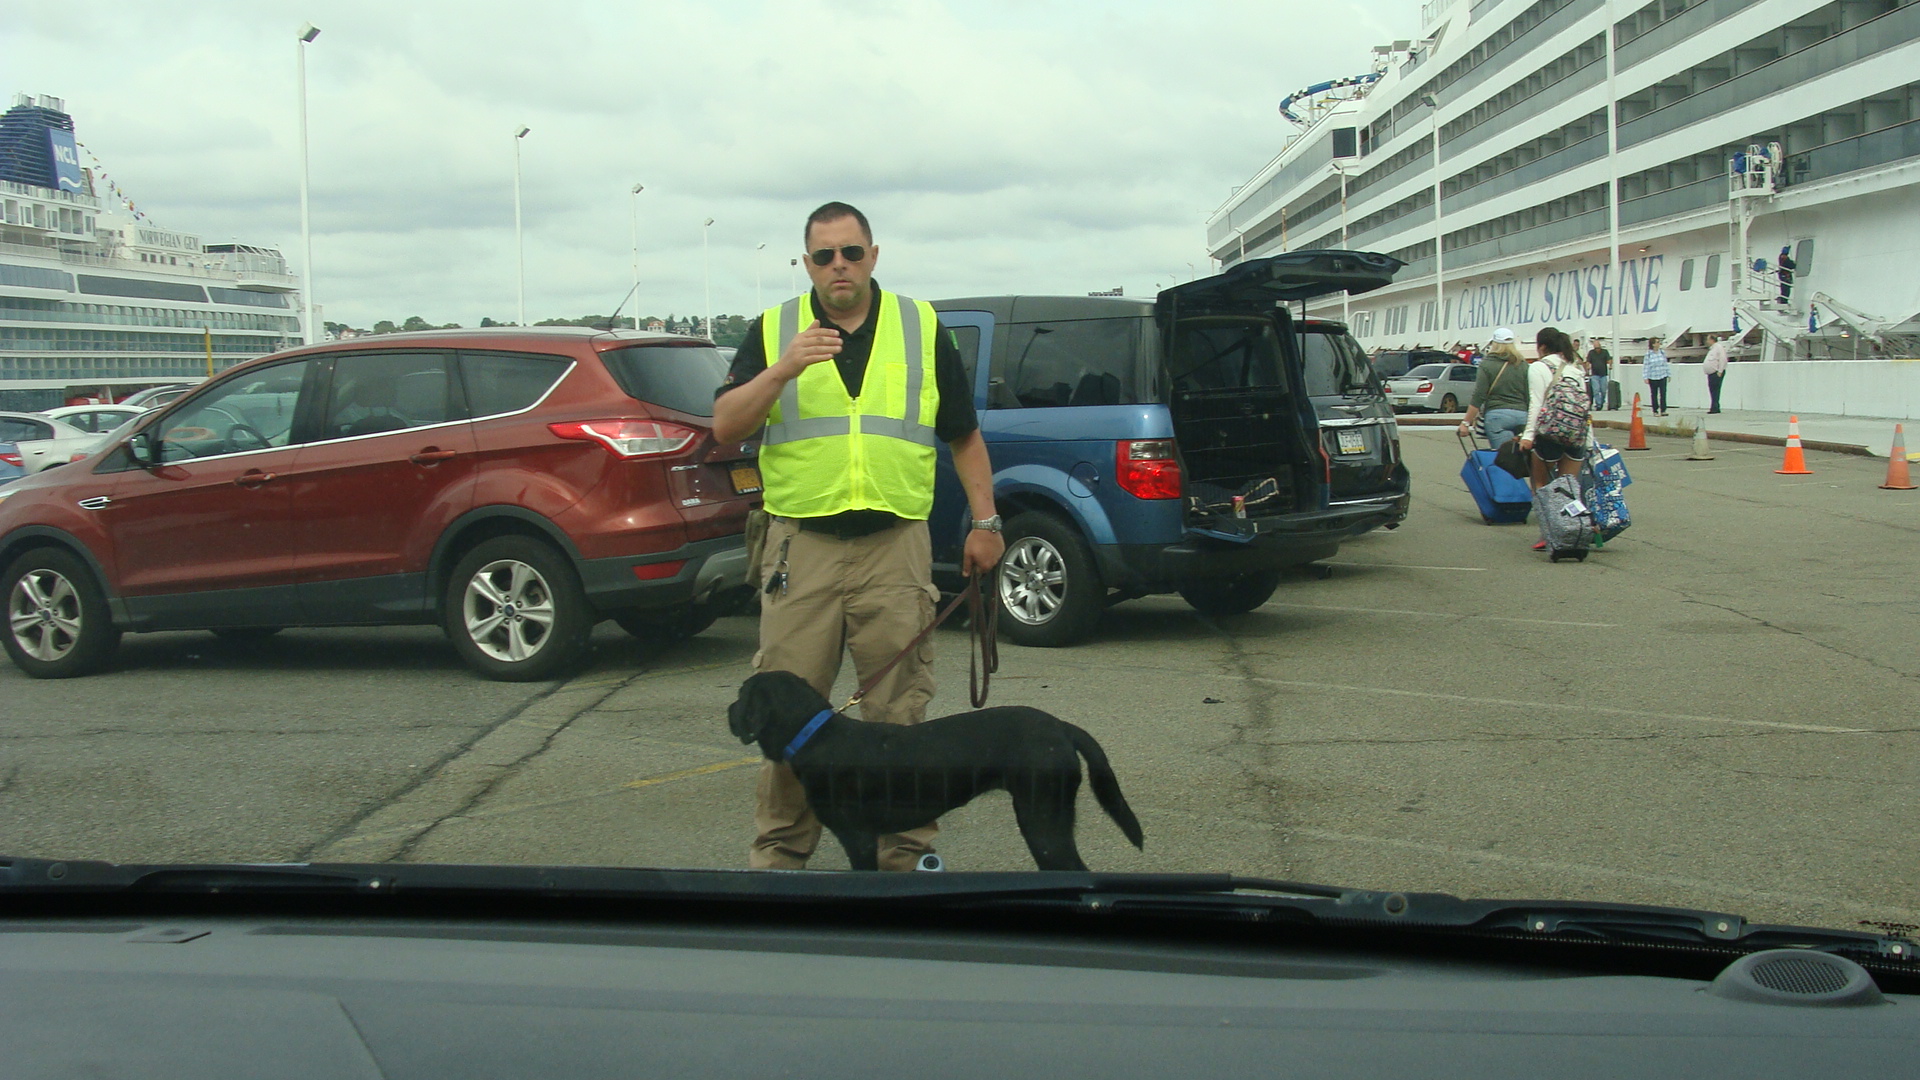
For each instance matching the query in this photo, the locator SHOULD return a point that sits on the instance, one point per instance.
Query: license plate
(1351, 441)
(746, 478)
(1401, 400)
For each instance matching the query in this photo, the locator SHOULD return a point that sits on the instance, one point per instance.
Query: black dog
(865, 780)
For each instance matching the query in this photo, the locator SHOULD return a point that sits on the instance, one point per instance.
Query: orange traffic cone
(1796, 462)
(1897, 478)
(1637, 428)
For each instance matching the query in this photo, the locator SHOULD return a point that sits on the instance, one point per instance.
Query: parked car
(155, 396)
(1357, 428)
(1434, 388)
(43, 442)
(11, 467)
(515, 486)
(1149, 446)
(95, 418)
(1391, 363)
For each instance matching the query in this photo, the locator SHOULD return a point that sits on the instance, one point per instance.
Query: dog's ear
(748, 713)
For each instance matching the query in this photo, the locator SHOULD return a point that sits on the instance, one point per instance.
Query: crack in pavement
(438, 782)
(1804, 636)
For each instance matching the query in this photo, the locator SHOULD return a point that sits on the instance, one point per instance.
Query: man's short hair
(834, 211)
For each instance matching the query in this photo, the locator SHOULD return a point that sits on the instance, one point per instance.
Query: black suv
(1151, 446)
(1357, 425)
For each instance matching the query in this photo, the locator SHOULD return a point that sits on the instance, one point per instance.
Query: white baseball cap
(1502, 336)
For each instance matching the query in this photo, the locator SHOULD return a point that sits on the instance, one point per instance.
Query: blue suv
(1152, 446)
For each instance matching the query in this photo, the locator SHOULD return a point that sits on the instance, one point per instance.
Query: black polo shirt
(954, 417)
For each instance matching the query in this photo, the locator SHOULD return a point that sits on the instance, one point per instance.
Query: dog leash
(983, 645)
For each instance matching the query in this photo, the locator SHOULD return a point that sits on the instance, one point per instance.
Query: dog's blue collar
(806, 733)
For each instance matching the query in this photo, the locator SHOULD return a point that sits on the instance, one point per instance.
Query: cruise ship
(1618, 168)
(97, 301)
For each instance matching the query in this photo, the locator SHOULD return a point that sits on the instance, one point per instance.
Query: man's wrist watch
(991, 524)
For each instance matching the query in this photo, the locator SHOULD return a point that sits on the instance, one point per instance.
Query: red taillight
(1425, 388)
(16, 460)
(1147, 469)
(629, 438)
(1326, 462)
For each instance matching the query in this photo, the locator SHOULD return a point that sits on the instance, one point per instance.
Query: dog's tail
(1106, 786)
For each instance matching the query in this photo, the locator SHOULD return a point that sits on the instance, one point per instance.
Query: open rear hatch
(1245, 426)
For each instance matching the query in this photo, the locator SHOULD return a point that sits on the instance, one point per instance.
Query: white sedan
(1433, 387)
(44, 442)
(96, 418)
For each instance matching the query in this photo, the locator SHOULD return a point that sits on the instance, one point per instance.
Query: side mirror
(143, 451)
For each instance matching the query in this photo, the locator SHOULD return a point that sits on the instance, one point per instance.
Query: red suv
(514, 486)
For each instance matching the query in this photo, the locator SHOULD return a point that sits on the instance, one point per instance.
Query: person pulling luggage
(1559, 419)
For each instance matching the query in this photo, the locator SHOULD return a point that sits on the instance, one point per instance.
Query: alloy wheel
(43, 614)
(1033, 580)
(509, 610)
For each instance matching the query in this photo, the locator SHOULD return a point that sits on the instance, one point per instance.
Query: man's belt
(850, 524)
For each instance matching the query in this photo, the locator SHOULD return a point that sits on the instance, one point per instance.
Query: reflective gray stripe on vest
(785, 330)
(916, 367)
(896, 429)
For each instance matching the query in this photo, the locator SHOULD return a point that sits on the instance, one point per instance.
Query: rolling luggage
(1603, 481)
(1568, 523)
(1503, 500)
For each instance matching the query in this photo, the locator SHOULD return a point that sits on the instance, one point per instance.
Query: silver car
(44, 442)
(1433, 388)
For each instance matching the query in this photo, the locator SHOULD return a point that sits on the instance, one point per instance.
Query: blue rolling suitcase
(1503, 498)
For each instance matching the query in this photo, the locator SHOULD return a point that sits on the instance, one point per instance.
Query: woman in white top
(1558, 360)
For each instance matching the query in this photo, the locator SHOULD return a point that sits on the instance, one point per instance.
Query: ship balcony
(254, 280)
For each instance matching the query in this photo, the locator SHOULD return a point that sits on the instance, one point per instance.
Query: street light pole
(706, 259)
(759, 297)
(519, 243)
(637, 189)
(307, 34)
(1613, 187)
(1346, 298)
(1439, 233)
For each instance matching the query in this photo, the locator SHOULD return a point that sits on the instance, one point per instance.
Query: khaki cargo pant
(869, 596)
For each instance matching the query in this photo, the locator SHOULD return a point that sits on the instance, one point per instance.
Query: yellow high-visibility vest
(824, 452)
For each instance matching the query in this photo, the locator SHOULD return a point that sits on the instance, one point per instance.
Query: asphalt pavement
(1716, 710)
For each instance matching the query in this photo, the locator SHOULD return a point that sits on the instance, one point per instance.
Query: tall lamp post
(793, 275)
(637, 189)
(706, 261)
(759, 260)
(1346, 298)
(1613, 187)
(1439, 234)
(307, 33)
(519, 242)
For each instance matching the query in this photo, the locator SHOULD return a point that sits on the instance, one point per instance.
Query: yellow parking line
(702, 770)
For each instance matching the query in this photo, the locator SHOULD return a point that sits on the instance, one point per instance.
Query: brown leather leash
(983, 645)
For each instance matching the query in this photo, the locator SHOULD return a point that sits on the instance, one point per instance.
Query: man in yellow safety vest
(847, 457)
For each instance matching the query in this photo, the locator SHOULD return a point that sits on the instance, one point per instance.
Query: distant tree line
(728, 330)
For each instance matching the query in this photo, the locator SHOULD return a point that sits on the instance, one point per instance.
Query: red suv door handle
(253, 478)
(432, 457)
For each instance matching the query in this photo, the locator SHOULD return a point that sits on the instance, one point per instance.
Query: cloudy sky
(1038, 146)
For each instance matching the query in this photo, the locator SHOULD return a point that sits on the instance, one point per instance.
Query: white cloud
(998, 147)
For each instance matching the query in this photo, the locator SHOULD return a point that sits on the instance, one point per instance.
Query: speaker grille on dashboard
(1796, 977)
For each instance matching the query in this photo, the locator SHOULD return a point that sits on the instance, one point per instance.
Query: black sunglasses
(852, 252)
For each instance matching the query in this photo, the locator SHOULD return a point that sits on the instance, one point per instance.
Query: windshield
(488, 495)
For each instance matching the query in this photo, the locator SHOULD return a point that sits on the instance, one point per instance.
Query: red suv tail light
(1147, 469)
(14, 459)
(629, 438)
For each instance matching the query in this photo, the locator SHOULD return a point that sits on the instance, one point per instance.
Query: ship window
(1713, 272)
(1686, 275)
